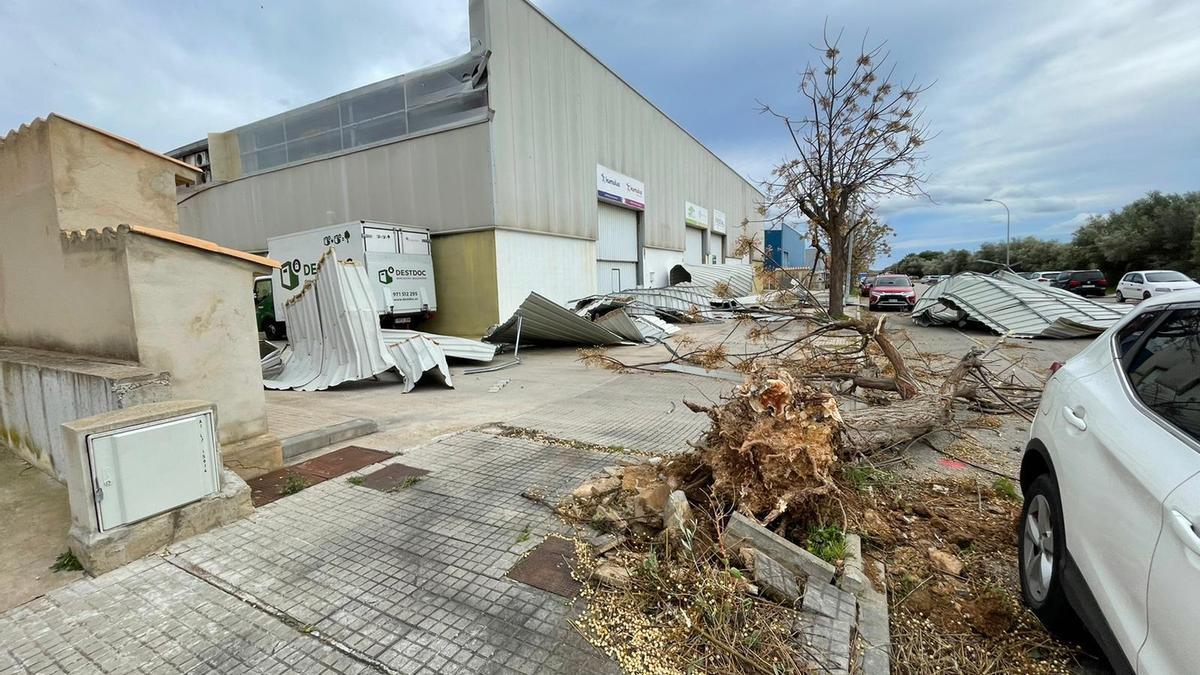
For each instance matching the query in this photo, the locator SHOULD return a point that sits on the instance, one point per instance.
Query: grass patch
(66, 562)
(293, 484)
(355, 480)
(862, 478)
(409, 482)
(524, 536)
(1005, 488)
(827, 542)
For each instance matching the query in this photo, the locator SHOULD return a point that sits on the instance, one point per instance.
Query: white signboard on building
(718, 224)
(617, 188)
(695, 215)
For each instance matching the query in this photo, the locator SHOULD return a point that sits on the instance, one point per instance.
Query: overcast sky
(1061, 109)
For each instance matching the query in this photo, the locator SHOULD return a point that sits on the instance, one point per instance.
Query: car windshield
(1087, 275)
(891, 281)
(1165, 277)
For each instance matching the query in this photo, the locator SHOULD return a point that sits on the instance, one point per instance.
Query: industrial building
(536, 167)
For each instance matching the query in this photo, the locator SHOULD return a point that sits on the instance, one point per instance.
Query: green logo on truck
(289, 276)
(385, 277)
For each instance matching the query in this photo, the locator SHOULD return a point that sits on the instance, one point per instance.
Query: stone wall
(40, 390)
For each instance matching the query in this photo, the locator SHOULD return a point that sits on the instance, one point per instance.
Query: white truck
(398, 260)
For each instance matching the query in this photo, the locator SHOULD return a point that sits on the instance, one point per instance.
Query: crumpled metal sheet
(271, 359)
(1012, 305)
(416, 356)
(454, 347)
(620, 323)
(738, 276)
(333, 325)
(546, 322)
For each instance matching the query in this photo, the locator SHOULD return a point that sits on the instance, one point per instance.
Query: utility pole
(1007, 232)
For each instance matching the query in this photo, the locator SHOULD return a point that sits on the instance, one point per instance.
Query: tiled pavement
(639, 411)
(344, 579)
(410, 581)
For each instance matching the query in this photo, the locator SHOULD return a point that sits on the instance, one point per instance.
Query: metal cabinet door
(143, 471)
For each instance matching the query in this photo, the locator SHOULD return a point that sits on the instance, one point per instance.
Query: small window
(262, 289)
(1135, 278)
(1165, 372)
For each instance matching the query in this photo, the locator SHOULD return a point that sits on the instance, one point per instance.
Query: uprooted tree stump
(774, 442)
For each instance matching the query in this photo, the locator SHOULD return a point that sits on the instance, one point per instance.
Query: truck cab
(264, 310)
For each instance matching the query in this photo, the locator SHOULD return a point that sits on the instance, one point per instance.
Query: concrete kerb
(874, 632)
(300, 444)
(874, 657)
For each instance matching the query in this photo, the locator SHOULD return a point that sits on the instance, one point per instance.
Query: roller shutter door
(693, 246)
(716, 245)
(616, 249)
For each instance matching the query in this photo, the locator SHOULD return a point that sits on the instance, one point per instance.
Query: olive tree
(858, 137)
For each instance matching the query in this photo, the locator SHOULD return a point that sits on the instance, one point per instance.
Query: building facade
(784, 247)
(536, 167)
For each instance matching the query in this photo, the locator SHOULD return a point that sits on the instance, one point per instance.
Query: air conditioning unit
(141, 471)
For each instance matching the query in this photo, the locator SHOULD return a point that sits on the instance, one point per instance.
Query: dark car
(1082, 282)
(864, 287)
(892, 290)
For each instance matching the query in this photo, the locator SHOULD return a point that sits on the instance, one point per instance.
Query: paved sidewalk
(410, 581)
(643, 412)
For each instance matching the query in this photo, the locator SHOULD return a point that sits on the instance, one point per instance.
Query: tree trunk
(837, 270)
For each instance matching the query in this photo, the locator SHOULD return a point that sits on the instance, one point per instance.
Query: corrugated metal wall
(559, 112)
(441, 181)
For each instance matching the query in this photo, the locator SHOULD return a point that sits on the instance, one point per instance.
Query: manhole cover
(271, 486)
(344, 460)
(393, 477)
(548, 567)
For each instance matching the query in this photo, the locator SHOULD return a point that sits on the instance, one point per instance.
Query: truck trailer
(397, 258)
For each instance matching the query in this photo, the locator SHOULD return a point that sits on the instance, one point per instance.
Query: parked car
(864, 287)
(1081, 282)
(892, 290)
(1149, 283)
(1110, 530)
(1043, 277)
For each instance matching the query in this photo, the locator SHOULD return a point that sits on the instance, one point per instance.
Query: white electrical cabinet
(145, 470)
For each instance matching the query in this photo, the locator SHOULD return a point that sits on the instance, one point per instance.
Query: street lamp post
(1007, 231)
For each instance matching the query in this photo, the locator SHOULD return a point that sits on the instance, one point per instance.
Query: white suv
(1110, 532)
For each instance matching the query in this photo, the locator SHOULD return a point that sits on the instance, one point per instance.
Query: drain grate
(269, 487)
(345, 460)
(548, 567)
(393, 477)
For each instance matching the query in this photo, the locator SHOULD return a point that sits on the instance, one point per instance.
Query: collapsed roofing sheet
(1012, 305)
(545, 322)
(333, 325)
(453, 347)
(739, 277)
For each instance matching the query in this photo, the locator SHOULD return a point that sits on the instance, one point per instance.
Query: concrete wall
(441, 181)
(660, 262)
(559, 268)
(41, 390)
(465, 281)
(195, 318)
(559, 112)
(71, 302)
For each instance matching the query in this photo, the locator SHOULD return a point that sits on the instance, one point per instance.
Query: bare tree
(858, 137)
